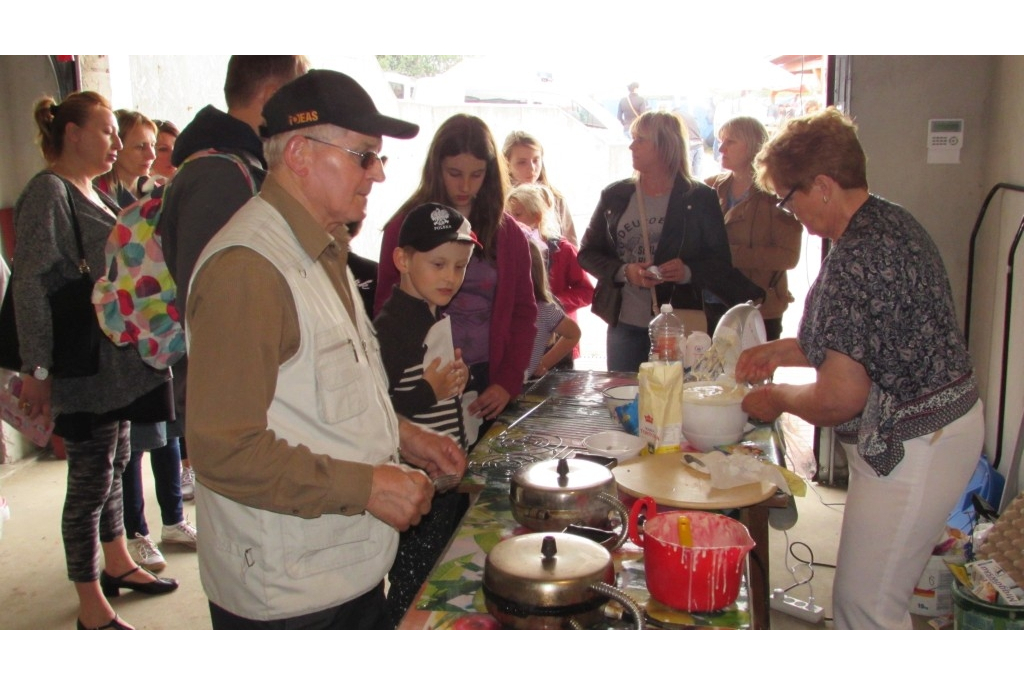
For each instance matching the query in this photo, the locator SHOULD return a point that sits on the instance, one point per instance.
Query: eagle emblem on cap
(441, 219)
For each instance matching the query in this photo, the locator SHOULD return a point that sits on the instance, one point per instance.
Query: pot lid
(547, 558)
(562, 475)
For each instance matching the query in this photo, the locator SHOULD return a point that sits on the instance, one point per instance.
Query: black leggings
(93, 504)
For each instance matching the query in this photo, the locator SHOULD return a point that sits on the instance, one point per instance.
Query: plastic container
(703, 577)
(666, 331)
(970, 613)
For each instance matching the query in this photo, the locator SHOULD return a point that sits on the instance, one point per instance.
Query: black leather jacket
(694, 231)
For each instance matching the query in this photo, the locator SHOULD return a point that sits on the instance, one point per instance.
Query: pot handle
(637, 517)
(620, 508)
(622, 598)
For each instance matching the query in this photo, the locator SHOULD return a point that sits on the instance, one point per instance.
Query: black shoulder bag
(76, 331)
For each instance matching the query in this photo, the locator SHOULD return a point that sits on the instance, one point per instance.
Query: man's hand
(399, 495)
(436, 454)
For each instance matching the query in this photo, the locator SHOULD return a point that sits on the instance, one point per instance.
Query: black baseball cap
(322, 96)
(433, 224)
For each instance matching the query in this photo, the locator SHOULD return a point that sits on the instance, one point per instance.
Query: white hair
(273, 147)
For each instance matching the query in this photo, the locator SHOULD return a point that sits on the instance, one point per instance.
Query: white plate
(614, 444)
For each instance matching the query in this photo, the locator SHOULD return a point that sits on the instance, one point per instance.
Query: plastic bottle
(666, 331)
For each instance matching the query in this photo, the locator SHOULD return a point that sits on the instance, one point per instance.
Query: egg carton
(1004, 543)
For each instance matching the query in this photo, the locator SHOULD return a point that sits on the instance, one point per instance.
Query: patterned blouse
(883, 299)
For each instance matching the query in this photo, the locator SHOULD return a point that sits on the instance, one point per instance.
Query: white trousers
(892, 523)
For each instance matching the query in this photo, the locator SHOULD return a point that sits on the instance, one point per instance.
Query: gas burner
(500, 468)
(526, 442)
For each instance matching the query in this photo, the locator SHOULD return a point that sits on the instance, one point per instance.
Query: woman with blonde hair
(525, 158)
(79, 141)
(764, 240)
(657, 238)
(892, 371)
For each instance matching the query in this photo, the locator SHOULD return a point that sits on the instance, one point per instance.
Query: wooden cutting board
(665, 478)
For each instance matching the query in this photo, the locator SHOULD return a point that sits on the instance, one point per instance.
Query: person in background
(630, 107)
(79, 141)
(525, 157)
(552, 322)
(211, 189)
(662, 218)
(532, 206)
(295, 440)
(901, 386)
(125, 181)
(764, 240)
(166, 134)
(435, 244)
(494, 315)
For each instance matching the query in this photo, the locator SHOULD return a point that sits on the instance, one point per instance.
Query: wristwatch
(40, 373)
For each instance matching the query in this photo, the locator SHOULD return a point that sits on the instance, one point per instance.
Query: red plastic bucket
(704, 577)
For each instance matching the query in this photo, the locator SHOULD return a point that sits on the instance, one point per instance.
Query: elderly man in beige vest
(296, 445)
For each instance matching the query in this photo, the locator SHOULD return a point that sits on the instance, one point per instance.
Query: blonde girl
(552, 323)
(525, 158)
(533, 206)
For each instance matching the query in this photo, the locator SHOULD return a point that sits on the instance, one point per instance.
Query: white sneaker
(145, 553)
(183, 533)
(188, 483)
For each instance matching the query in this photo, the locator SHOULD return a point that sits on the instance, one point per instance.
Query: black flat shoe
(113, 624)
(112, 586)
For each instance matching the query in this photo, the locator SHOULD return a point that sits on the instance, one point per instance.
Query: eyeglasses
(781, 204)
(366, 159)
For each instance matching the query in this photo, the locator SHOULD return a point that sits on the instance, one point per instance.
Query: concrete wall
(892, 99)
(23, 80)
(1005, 164)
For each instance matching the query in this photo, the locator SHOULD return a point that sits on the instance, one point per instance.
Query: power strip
(798, 608)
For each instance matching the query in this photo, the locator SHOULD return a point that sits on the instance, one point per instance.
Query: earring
(824, 199)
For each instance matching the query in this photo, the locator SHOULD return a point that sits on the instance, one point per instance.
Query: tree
(416, 66)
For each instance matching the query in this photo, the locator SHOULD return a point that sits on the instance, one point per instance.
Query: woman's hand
(490, 403)
(35, 396)
(674, 271)
(757, 364)
(638, 275)
(761, 404)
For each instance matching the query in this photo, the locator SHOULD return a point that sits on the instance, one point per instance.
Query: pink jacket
(514, 318)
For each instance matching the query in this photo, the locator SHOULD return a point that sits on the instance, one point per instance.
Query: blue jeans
(166, 463)
(627, 347)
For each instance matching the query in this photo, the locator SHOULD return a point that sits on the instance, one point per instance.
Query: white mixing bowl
(619, 396)
(712, 414)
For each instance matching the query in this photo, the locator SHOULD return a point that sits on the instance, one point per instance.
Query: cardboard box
(933, 594)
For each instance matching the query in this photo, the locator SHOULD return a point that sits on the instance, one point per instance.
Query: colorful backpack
(135, 298)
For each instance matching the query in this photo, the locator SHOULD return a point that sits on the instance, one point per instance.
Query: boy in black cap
(435, 244)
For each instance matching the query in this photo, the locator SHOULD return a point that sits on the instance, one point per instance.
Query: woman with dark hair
(124, 182)
(892, 370)
(655, 238)
(166, 134)
(494, 314)
(764, 240)
(79, 141)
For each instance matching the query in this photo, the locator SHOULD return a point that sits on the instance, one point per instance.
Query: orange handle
(685, 533)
